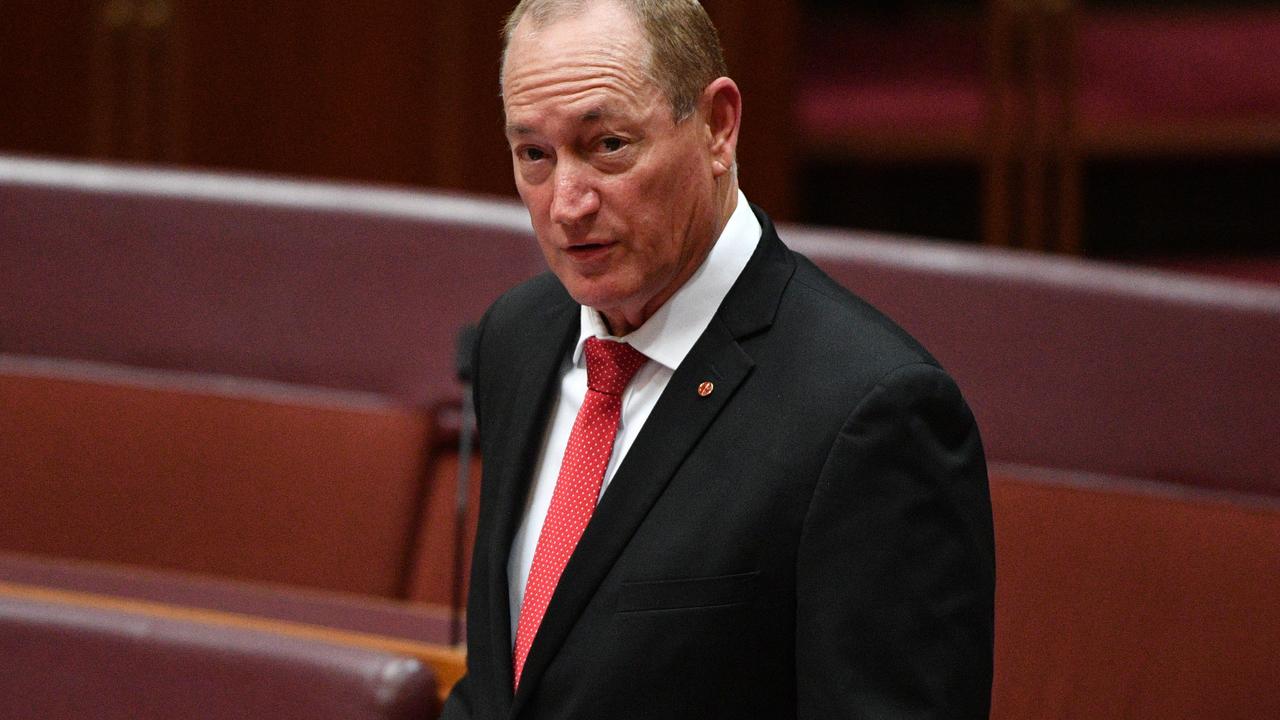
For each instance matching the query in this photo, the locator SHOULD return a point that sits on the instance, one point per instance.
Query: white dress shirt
(665, 338)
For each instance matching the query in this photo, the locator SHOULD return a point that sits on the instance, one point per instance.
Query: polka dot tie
(610, 366)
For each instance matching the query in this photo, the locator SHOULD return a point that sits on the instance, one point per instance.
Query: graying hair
(684, 48)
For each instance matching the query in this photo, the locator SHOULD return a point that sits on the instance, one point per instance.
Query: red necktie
(610, 366)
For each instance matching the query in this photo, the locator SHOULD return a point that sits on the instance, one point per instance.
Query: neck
(620, 323)
(728, 197)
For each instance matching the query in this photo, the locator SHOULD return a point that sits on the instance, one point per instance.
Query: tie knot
(611, 365)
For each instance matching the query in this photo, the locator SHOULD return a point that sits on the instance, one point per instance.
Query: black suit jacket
(811, 540)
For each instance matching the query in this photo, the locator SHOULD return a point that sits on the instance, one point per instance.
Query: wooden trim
(1145, 139)
(448, 662)
(108, 77)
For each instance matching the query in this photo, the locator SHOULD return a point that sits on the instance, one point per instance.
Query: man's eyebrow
(519, 130)
(596, 114)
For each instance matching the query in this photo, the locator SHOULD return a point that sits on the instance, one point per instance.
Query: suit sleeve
(896, 569)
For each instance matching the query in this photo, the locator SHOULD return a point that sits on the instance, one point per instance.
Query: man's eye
(612, 144)
(532, 154)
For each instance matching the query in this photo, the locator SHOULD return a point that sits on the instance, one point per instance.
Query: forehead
(590, 64)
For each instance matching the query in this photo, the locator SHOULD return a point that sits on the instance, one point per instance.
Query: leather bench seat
(233, 280)
(1144, 71)
(1118, 598)
(70, 661)
(1111, 592)
(441, 571)
(1160, 79)
(1067, 363)
(916, 85)
(1264, 269)
(347, 287)
(1106, 591)
(1082, 365)
(416, 622)
(416, 629)
(279, 483)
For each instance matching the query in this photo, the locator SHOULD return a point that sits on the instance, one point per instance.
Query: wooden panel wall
(400, 91)
(759, 39)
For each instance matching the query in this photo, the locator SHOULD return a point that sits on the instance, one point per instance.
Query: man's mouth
(588, 250)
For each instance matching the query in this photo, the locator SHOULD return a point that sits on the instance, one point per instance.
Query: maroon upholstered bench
(1027, 93)
(68, 660)
(356, 620)
(339, 286)
(353, 612)
(1121, 598)
(441, 570)
(1082, 365)
(896, 87)
(267, 481)
(1179, 81)
(260, 356)
(1150, 80)
(1071, 365)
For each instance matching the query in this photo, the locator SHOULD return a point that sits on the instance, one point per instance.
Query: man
(792, 516)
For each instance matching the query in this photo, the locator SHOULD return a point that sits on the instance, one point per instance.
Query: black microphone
(464, 362)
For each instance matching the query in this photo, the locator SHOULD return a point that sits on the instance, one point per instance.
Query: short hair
(684, 48)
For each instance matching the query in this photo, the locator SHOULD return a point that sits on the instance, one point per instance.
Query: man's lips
(589, 250)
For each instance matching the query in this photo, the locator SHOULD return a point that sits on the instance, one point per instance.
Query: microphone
(464, 360)
(464, 364)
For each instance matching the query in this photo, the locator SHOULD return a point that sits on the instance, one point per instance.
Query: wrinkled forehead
(571, 66)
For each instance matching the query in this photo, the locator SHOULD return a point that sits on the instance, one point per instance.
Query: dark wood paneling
(45, 50)
(400, 91)
(759, 38)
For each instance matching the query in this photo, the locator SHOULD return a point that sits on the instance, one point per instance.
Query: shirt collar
(669, 334)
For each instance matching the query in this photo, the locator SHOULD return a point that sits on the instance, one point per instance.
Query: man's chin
(596, 293)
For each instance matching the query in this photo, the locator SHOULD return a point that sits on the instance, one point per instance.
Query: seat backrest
(348, 612)
(75, 661)
(440, 573)
(1067, 363)
(1122, 599)
(340, 286)
(413, 628)
(1081, 365)
(226, 476)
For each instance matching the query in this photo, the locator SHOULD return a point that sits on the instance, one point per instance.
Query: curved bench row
(70, 656)
(1068, 363)
(1116, 598)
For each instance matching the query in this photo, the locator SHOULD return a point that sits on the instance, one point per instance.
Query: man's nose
(574, 196)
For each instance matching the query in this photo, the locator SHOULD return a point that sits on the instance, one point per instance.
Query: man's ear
(722, 103)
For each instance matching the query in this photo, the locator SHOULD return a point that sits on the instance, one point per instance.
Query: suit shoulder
(524, 318)
(535, 296)
(828, 352)
(840, 321)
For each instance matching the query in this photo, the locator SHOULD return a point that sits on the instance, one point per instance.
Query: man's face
(620, 195)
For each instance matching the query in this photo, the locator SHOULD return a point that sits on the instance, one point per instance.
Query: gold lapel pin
(706, 388)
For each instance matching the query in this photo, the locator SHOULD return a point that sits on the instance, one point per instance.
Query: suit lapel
(540, 363)
(673, 429)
